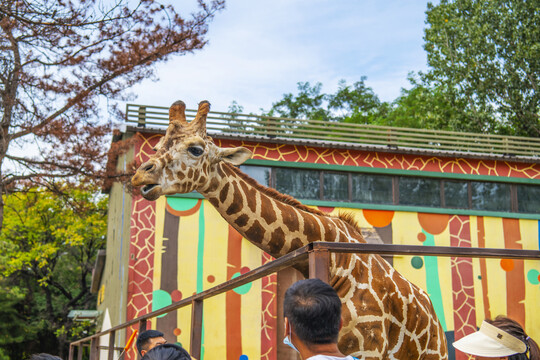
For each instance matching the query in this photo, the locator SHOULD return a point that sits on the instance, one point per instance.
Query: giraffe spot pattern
(242, 220)
(255, 232)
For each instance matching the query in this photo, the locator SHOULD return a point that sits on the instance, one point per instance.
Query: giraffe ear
(235, 156)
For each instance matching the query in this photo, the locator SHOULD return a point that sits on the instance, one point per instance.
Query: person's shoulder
(326, 357)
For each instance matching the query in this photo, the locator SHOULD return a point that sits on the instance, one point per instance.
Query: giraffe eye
(195, 150)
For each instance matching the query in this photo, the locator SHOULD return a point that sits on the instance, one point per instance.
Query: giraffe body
(384, 315)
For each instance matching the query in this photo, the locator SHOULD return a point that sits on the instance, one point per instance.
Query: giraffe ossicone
(384, 315)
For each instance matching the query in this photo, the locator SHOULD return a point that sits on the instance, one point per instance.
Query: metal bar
(71, 349)
(110, 355)
(443, 251)
(196, 329)
(79, 351)
(319, 264)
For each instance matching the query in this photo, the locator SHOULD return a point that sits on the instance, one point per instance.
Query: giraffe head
(185, 158)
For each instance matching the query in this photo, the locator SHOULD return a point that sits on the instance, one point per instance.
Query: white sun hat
(490, 341)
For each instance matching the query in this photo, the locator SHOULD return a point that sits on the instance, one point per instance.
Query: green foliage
(48, 247)
(307, 104)
(486, 56)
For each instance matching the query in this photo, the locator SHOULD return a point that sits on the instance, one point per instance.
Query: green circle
(160, 299)
(532, 276)
(417, 262)
(242, 289)
(181, 204)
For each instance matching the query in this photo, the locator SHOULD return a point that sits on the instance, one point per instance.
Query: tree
(486, 55)
(48, 248)
(60, 60)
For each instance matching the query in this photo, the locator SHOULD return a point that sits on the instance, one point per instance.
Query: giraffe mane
(287, 199)
(350, 219)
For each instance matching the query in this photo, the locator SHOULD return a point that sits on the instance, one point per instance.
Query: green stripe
(200, 267)
(371, 170)
(423, 209)
(432, 281)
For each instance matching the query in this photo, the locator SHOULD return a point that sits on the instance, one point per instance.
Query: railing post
(94, 348)
(319, 264)
(196, 328)
(110, 355)
(142, 325)
(79, 351)
(142, 117)
(70, 356)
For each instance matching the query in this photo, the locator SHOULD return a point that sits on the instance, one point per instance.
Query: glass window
(456, 194)
(301, 184)
(419, 191)
(335, 186)
(528, 198)
(260, 173)
(373, 189)
(490, 196)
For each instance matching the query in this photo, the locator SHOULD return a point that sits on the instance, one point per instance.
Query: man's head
(313, 309)
(167, 352)
(44, 356)
(149, 339)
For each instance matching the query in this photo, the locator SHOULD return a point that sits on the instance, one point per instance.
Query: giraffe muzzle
(151, 191)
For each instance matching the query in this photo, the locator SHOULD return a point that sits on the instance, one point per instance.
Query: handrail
(272, 127)
(318, 267)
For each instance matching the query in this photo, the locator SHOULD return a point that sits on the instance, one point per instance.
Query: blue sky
(259, 50)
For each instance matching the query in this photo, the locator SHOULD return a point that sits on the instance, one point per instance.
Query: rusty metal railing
(318, 256)
(271, 127)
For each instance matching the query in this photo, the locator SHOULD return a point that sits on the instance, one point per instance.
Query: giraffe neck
(276, 223)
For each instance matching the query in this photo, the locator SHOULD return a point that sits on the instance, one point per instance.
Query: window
(490, 196)
(419, 191)
(259, 173)
(456, 194)
(301, 184)
(335, 186)
(374, 189)
(528, 199)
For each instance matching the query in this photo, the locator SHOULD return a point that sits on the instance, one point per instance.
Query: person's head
(149, 339)
(44, 356)
(167, 352)
(312, 310)
(502, 338)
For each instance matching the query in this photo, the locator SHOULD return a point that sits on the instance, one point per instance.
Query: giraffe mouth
(145, 190)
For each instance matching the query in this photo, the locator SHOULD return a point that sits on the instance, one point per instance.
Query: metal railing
(246, 125)
(318, 256)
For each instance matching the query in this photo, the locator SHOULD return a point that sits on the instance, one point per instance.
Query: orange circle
(421, 237)
(211, 278)
(378, 218)
(177, 332)
(507, 264)
(433, 223)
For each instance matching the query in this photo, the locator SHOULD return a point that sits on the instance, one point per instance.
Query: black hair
(516, 330)
(44, 356)
(314, 311)
(144, 337)
(167, 352)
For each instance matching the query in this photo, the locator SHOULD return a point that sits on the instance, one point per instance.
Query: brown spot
(348, 342)
(179, 175)
(277, 239)
(267, 210)
(366, 304)
(205, 167)
(289, 217)
(256, 232)
(183, 166)
(223, 193)
(250, 194)
(214, 184)
(190, 173)
(312, 229)
(242, 220)
(373, 335)
(169, 174)
(235, 207)
(202, 180)
(196, 174)
(168, 158)
(296, 243)
(214, 202)
(393, 335)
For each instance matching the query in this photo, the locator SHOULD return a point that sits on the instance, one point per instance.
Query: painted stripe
(233, 301)
(432, 281)
(515, 278)
(200, 267)
(483, 266)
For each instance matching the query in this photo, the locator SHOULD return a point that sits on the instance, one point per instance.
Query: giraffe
(384, 315)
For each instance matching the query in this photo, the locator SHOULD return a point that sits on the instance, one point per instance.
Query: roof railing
(318, 256)
(249, 125)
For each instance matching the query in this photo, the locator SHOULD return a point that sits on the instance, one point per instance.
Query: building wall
(181, 245)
